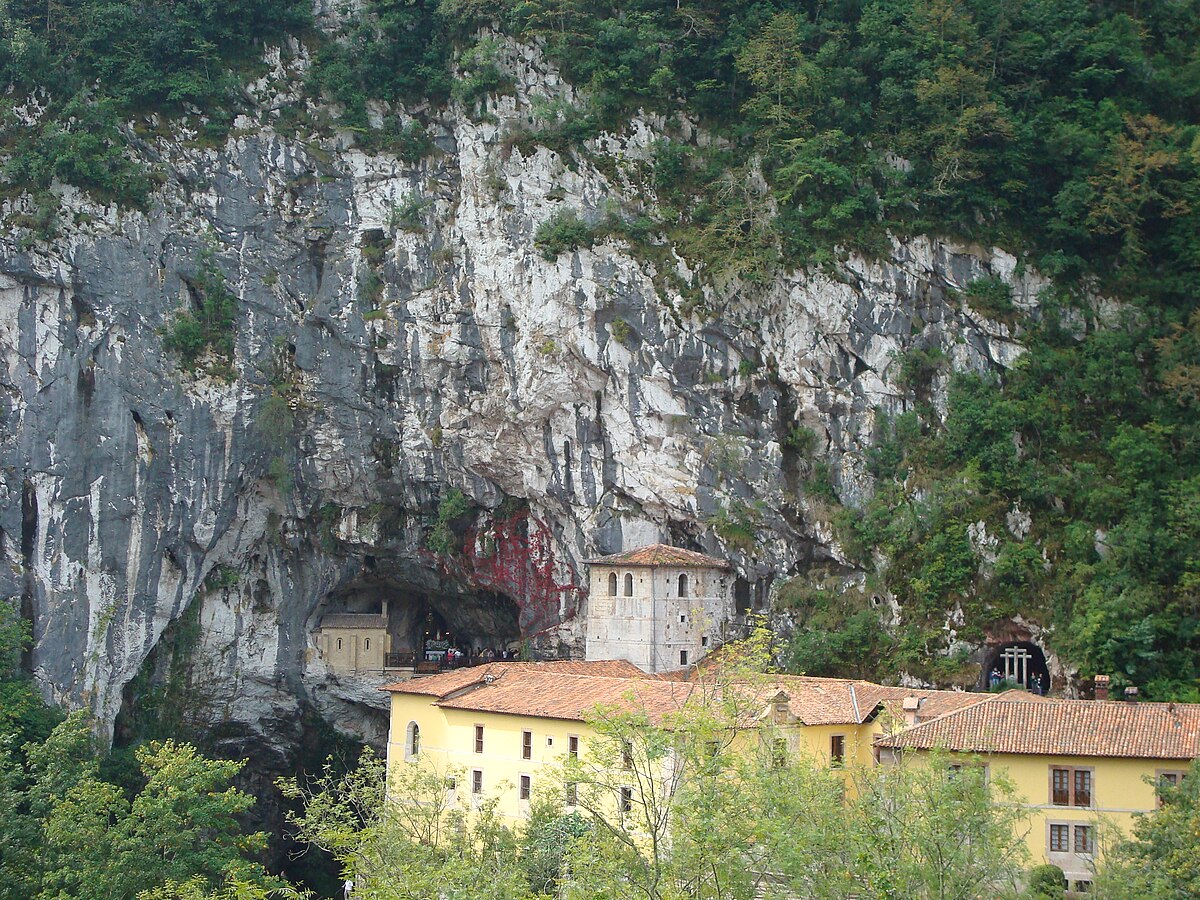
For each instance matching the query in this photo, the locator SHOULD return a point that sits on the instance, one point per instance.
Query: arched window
(612, 584)
(628, 584)
(366, 643)
(682, 585)
(412, 740)
(339, 643)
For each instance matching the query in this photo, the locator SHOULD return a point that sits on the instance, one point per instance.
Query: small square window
(682, 618)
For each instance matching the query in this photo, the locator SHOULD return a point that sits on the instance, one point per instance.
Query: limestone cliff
(422, 343)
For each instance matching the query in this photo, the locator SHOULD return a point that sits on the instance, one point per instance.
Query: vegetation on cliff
(1066, 132)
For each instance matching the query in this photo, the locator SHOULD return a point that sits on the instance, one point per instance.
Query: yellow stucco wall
(448, 740)
(1120, 791)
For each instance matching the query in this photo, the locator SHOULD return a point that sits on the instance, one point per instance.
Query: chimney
(911, 706)
(1131, 694)
(1102, 687)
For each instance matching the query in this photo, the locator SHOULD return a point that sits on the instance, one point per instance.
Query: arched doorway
(1019, 664)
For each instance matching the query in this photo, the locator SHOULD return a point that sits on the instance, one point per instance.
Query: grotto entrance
(382, 622)
(1016, 664)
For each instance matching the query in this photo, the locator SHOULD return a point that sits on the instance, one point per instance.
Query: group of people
(1037, 682)
(454, 658)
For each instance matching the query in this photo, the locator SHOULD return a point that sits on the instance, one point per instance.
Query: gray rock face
(422, 344)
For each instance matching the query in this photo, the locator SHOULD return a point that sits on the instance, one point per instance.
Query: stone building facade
(353, 642)
(659, 607)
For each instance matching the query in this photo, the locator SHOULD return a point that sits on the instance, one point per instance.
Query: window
(837, 750)
(526, 745)
(573, 746)
(683, 586)
(339, 643)
(683, 657)
(1071, 838)
(1070, 786)
(524, 787)
(572, 794)
(477, 781)
(366, 643)
(412, 741)
(628, 584)
(682, 618)
(478, 738)
(626, 800)
(1059, 835)
(704, 641)
(779, 753)
(612, 584)
(1167, 779)
(1083, 887)
(626, 755)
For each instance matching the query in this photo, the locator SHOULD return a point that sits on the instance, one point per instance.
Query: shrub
(1046, 882)
(561, 232)
(210, 326)
(443, 537)
(990, 296)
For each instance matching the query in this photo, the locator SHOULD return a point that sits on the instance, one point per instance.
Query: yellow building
(505, 725)
(1083, 768)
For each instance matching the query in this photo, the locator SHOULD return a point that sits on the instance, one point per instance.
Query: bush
(211, 325)
(990, 296)
(1046, 883)
(562, 232)
(443, 537)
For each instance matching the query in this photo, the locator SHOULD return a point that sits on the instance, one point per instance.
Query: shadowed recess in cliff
(414, 614)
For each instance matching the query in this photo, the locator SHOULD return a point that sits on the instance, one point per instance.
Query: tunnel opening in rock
(1016, 664)
(380, 621)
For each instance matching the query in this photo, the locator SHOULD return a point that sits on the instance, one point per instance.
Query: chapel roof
(660, 555)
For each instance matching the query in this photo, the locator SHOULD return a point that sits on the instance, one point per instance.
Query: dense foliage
(74, 823)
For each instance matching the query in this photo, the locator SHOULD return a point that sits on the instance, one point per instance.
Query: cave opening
(442, 624)
(1016, 664)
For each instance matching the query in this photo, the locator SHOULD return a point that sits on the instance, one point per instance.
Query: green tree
(1162, 859)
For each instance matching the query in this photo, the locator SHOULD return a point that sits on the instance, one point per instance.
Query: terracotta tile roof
(457, 679)
(1021, 723)
(843, 701)
(660, 555)
(353, 620)
(554, 695)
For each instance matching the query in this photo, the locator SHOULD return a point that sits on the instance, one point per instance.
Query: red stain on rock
(515, 557)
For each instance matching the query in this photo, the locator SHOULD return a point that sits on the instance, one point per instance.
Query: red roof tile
(660, 555)
(457, 679)
(1015, 723)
